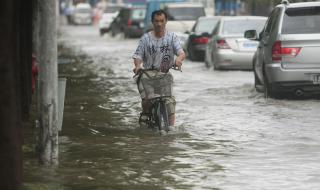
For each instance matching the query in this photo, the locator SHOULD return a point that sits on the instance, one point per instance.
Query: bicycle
(157, 88)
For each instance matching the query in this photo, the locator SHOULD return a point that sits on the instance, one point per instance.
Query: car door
(115, 25)
(267, 37)
(209, 47)
(124, 19)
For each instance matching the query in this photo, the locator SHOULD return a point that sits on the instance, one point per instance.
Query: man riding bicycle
(156, 50)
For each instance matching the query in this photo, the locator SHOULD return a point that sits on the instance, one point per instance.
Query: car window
(138, 14)
(125, 14)
(272, 20)
(185, 13)
(206, 25)
(83, 10)
(216, 30)
(121, 14)
(304, 20)
(240, 26)
(112, 9)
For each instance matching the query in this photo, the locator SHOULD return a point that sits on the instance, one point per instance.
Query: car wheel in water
(191, 54)
(215, 67)
(125, 35)
(113, 33)
(206, 63)
(257, 83)
(267, 88)
(101, 33)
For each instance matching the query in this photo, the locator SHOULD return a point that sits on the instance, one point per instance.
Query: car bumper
(229, 59)
(291, 80)
(135, 32)
(104, 27)
(200, 47)
(83, 21)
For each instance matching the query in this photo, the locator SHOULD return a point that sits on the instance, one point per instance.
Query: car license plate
(249, 45)
(315, 79)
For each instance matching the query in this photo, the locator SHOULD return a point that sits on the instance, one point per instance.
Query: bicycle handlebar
(174, 67)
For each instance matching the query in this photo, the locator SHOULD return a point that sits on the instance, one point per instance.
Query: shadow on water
(98, 148)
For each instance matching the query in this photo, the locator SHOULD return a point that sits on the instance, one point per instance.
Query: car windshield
(138, 14)
(185, 13)
(304, 20)
(83, 10)
(240, 26)
(206, 25)
(112, 9)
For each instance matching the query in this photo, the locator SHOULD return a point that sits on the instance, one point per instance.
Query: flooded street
(230, 137)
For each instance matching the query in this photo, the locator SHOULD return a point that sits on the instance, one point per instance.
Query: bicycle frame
(159, 117)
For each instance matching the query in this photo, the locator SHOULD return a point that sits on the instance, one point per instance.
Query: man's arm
(137, 65)
(181, 56)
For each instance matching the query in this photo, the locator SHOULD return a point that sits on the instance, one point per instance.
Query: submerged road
(230, 137)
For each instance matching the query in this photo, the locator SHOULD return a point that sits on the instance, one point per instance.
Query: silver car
(227, 47)
(288, 56)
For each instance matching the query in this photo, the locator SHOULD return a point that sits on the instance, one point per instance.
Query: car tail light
(129, 23)
(200, 40)
(222, 44)
(278, 51)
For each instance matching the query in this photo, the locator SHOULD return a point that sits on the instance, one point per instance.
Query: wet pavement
(230, 137)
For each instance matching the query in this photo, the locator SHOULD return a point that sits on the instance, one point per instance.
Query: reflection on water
(99, 148)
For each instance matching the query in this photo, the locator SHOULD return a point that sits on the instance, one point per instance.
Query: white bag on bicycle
(155, 84)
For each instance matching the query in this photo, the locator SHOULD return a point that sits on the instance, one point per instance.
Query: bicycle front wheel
(164, 118)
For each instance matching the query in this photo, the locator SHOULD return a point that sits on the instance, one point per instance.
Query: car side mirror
(251, 35)
(187, 32)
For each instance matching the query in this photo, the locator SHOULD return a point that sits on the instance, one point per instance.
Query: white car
(107, 17)
(182, 17)
(82, 14)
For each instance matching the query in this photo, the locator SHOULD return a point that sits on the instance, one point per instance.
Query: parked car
(227, 47)
(82, 14)
(198, 38)
(182, 17)
(109, 13)
(129, 21)
(287, 59)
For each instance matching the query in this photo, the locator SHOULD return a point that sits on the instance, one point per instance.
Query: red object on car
(278, 51)
(200, 40)
(34, 72)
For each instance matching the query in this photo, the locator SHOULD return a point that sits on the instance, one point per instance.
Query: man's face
(159, 23)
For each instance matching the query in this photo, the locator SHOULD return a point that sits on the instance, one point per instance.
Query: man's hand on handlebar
(136, 69)
(177, 64)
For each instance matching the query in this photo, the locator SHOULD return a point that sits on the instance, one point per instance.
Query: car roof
(134, 7)
(83, 5)
(178, 5)
(209, 17)
(243, 17)
(300, 4)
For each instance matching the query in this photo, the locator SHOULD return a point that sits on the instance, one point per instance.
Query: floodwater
(230, 137)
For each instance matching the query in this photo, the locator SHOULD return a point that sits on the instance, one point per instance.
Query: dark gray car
(288, 56)
(129, 21)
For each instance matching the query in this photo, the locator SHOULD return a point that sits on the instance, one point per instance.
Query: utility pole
(48, 84)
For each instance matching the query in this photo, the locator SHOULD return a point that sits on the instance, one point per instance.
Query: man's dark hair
(158, 12)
